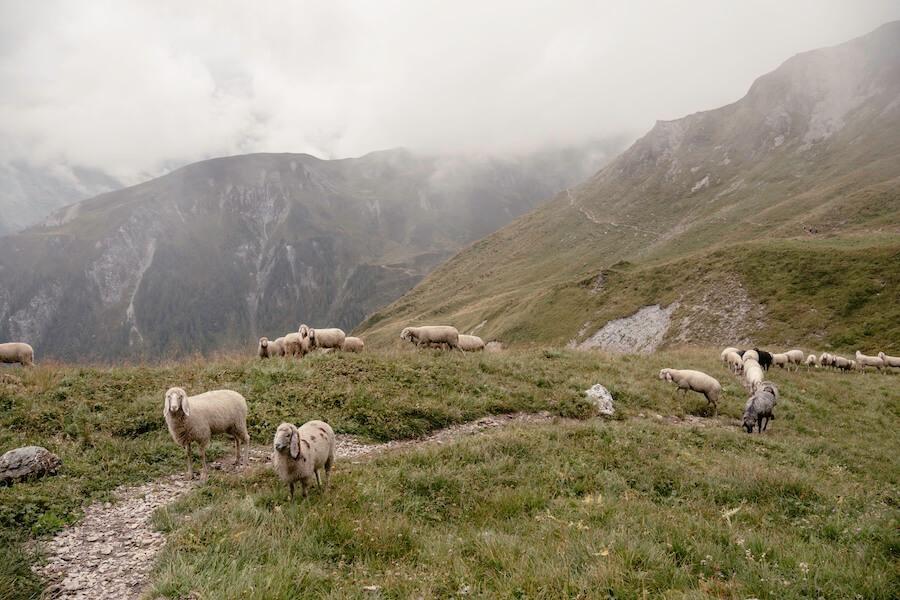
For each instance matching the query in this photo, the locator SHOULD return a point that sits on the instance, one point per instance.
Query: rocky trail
(110, 554)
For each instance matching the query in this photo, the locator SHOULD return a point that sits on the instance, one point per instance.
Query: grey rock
(27, 462)
(602, 399)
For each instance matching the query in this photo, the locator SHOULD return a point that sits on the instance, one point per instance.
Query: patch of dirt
(110, 553)
(723, 316)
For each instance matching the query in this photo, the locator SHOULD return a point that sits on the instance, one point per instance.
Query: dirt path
(111, 552)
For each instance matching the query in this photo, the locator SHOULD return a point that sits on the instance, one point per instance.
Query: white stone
(602, 399)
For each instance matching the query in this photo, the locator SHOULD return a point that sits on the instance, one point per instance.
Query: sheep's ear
(168, 404)
(185, 406)
(295, 444)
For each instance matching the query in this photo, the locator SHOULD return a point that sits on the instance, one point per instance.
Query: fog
(132, 89)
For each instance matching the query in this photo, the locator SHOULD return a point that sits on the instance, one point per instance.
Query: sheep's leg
(237, 450)
(318, 481)
(291, 488)
(190, 463)
(328, 464)
(205, 473)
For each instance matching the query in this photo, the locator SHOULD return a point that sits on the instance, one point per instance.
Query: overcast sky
(131, 87)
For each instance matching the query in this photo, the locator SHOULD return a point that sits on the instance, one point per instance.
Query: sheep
(765, 358)
(768, 386)
(697, 381)
(353, 344)
(734, 361)
(470, 343)
(868, 361)
(300, 453)
(17, 352)
(432, 334)
(839, 362)
(753, 374)
(296, 345)
(725, 353)
(795, 357)
(268, 349)
(760, 405)
(810, 361)
(751, 354)
(326, 338)
(826, 359)
(196, 418)
(889, 361)
(780, 359)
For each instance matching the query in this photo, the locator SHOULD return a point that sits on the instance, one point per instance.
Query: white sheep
(268, 348)
(795, 357)
(889, 361)
(810, 361)
(296, 345)
(697, 381)
(733, 360)
(826, 360)
(197, 418)
(868, 361)
(326, 338)
(470, 343)
(750, 355)
(844, 364)
(725, 352)
(781, 359)
(300, 453)
(753, 374)
(432, 334)
(353, 344)
(17, 352)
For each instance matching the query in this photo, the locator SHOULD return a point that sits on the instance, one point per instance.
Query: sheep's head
(405, 334)
(176, 400)
(748, 424)
(665, 374)
(287, 437)
(312, 337)
(303, 330)
(263, 342)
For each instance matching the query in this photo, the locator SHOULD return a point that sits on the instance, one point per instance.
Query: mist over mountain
(774, 218)
(218, 253)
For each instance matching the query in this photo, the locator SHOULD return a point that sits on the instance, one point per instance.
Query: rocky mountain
(215, 254)
(773, 219)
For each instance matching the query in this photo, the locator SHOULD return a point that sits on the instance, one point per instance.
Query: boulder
(600, 397)
(27, 462)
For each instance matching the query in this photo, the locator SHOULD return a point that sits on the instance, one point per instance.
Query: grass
(611, 508)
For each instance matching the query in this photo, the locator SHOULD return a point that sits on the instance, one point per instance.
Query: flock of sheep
(760, 407)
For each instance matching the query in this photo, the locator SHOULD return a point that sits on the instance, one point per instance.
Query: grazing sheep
(432, 334)
(826, 360)
(765, 358)
(751, 355)
(326, 338)
(725, 353)
(844, 364)
(795, 357)
(810, 361)
(889, 361)
(768, 386)
(353, 344)
(17, 352)
(760, 405)
(697, 381)
(470, 343)
(868, 361)
(268, 349)
(300, 453)
(734, 362)
(753, 374)
(196, 418)
(780, 359)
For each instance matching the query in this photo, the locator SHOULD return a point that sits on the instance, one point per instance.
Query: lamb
(780, 359)
(734, 361)
(326, 338)
(889, 361)
(795, 357)
(17, 352)
(196, 418)
(300, 453)
(268, 349)
(759, 406)
(353, 344)
(432, 334)
(753, 374)
(765, 358)
(810, 361)
(697, 381)
(868, 361)
(470, 343)
(751, 354)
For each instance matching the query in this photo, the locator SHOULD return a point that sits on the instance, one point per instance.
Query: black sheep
(765, 359)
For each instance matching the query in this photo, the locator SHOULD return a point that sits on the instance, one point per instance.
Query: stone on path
(600, 397)
(26, 463)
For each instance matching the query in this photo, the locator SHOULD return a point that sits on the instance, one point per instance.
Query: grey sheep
(300, 453)
(197, 418)
(17, 352)
(759, 407)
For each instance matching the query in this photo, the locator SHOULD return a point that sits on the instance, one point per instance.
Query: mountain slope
(220, 252)
(811, 154)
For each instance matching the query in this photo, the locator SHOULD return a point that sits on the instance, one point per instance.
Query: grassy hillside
(591, 508)
(790, 188)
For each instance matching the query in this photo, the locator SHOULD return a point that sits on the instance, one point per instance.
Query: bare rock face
(27, 462)
(600, 397)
